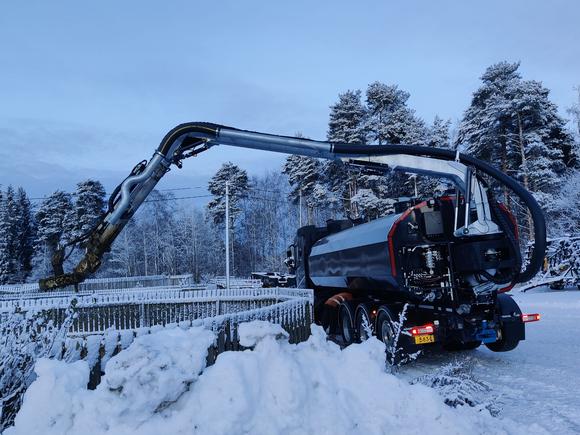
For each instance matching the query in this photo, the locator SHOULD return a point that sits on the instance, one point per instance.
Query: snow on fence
(112, 285)
(294, 314)
(96, 327)
(103, 284)
(220, 282)
(98, 312)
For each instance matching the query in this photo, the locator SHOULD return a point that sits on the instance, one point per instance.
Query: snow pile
(156, 386)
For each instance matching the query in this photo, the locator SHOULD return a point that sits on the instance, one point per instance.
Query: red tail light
(427, 329)
(530, 318)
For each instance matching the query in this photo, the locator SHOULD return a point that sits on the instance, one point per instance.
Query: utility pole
(227, 235)
(300, 208)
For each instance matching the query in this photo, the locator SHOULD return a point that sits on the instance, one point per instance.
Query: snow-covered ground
(538, 382)
(160, 385)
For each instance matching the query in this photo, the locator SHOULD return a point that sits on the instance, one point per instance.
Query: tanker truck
(410, 279)
(435, 271)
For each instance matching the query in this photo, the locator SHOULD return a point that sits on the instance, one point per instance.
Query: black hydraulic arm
(189, 139)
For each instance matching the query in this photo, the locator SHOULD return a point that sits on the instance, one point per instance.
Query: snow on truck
(436, 271)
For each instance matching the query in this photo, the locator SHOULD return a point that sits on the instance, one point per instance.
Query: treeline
(511, 123)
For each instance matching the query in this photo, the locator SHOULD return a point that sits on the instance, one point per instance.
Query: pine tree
(54, 229)
(563, 210)
(513, 124)
(438, 135)
(574, 111)
(346, 125)
(390, 120)
(89, 204)
(347, 119)
(10, 245)
(304, 178)
(24, 236)
(486, 124)
(238, 187)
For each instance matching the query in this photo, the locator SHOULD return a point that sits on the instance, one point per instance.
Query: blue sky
(87, 89)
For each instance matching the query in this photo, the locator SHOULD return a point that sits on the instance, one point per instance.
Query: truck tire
(346, 323)
(512, 331)
(363, 325)
(385, 330)
(385, 327)
(505, 344)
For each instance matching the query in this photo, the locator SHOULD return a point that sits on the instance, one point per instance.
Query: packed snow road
(160, 385)
(539, 381)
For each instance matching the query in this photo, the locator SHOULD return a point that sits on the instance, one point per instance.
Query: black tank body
(357, 258)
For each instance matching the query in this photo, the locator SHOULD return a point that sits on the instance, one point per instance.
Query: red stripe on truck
(392, 232)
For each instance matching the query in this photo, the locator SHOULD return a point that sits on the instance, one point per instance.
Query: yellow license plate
(424, 339)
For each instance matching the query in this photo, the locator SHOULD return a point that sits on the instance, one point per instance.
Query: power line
(159, 190)
(176, 199)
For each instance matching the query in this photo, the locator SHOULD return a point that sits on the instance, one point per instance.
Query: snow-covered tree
(438, 134)
(304, 176)
(382, 101)
(389, 118)
(24, 234)
(89, 204)
(574, 111)
(563, 210)
(238, 186)
(347, 119)
(16, 236)
(237, 180)
(512, 123)
(303, 173)
(347, 124)
(389, 121)
(485, 125)
(54, 229)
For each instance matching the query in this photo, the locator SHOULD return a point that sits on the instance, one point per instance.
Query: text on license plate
(424, 339)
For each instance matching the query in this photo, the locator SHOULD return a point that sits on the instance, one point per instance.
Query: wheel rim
(386, 332)
(346, 328)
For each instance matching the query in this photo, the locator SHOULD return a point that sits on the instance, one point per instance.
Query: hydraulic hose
(539, 252)
(199, 129)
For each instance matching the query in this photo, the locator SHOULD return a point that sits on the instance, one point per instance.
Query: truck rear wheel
(346, 323)
(364, 329)
(386, 332)
(505, 344)
(385, 326)
(512, 329)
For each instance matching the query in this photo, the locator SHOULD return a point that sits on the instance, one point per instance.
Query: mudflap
(510, 318)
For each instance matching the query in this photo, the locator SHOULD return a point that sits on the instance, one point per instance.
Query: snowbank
(156, 386)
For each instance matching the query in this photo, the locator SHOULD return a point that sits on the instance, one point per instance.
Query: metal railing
(112, 285)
